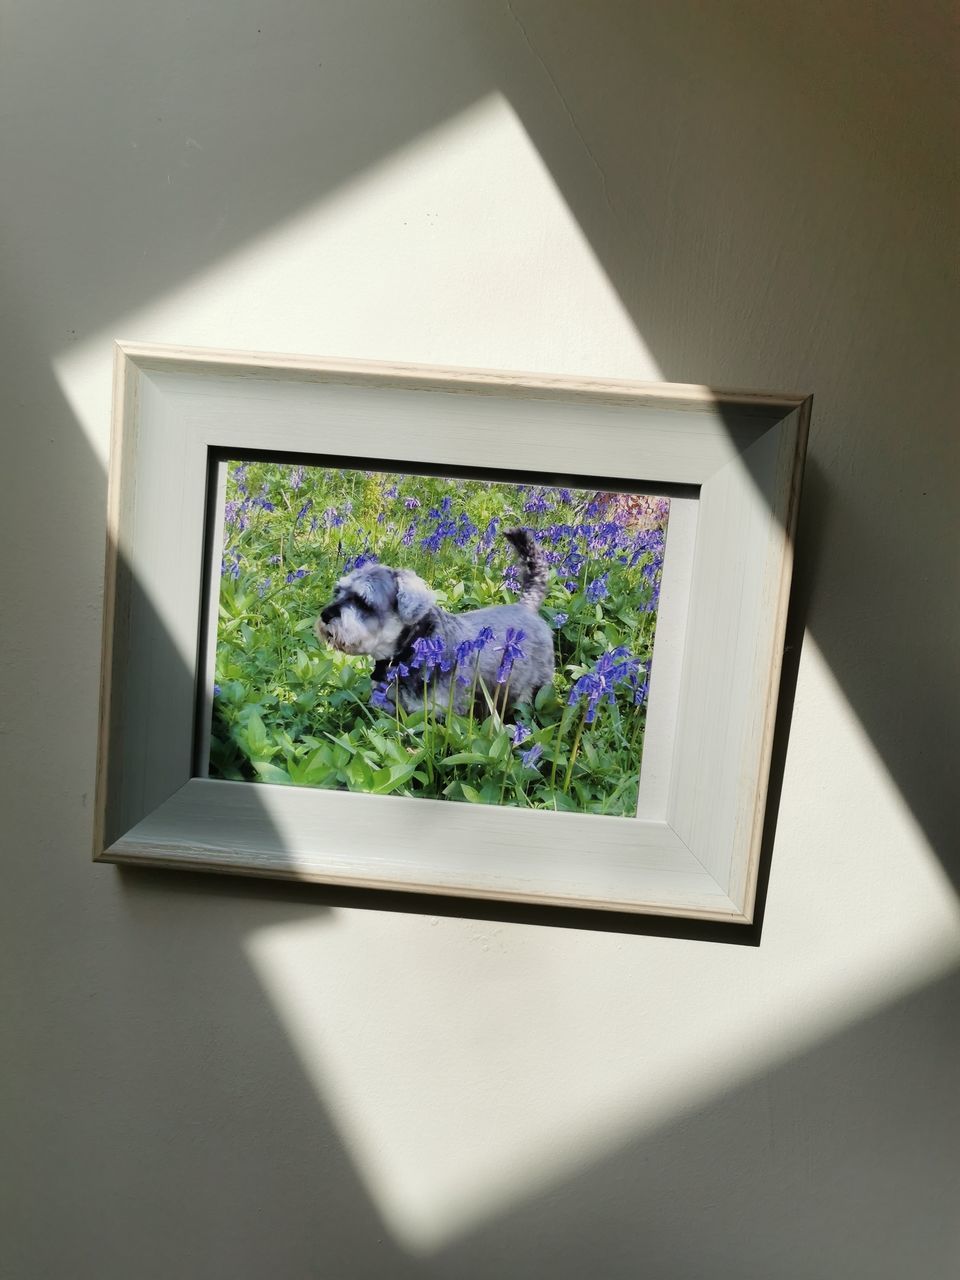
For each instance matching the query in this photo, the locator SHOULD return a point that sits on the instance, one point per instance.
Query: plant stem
(564, 722)
(574, 751)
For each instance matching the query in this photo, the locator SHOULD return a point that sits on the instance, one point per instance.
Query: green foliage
(290, 711)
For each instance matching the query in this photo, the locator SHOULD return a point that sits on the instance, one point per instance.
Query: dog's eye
(355, 602)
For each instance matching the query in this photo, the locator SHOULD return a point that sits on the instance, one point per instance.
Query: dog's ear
(414, 597)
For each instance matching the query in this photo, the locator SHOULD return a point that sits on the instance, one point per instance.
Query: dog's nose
(328, 613)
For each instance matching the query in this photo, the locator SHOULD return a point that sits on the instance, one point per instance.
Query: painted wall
(208, 1078)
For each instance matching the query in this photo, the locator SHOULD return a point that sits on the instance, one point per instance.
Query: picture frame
(733, 462)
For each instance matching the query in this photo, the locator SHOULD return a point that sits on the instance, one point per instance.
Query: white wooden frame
(695, 856)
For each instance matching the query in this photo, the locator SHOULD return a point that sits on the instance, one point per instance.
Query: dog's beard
(351, 634)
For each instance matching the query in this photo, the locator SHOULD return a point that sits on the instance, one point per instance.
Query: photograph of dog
(392, 615)
(453, 638)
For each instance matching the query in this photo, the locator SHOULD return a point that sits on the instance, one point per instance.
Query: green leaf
(267, 772)
(387, 780)
(255, 735)
(463, 757)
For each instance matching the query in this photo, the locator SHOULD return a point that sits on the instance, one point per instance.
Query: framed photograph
(483, 634)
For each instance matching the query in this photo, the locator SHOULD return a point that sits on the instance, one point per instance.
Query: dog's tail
(533, 567)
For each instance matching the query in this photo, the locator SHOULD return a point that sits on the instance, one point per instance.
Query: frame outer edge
(450, 377)
(132, 358)
(752, 869)
(124, 373)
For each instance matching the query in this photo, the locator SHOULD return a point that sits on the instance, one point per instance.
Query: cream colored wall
(210, 1078)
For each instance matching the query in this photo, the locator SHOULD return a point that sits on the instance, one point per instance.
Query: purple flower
(378, 698)
(571, 586)
(304, 509)
(520, 734)
(217, 691)
(365, 557)
(536, 505)
(264, 587)
(489, 533)
(589, 686)
(463, 651)
(429, 652)
(597, 589)
(332, 518)
(529, 758)
(411, 503)
(612, 668)
(559, 619)
(407, 539)
(482, 639)
(390, 492)
(296, 478)
(511, 652)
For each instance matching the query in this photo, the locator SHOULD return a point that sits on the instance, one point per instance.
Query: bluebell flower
(559, 619)
(273, 560)
(511, 652)
(332, 518)
(217, 691)
(589, 686)
(483, 638)
(240, 477)
(411, 503)
(490, 533)
(409, 535)
(597, 590)
(379, 699)
(511, 577)
(303, 510)
(529, 758)
(429, 652)
(536, 505)
(520, 734)
(390, 492)
(565, 496)
(463, 651)
(264, 587)
(571, 586)
(296, 478)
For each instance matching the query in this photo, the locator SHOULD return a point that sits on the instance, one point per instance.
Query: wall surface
(206, 1078)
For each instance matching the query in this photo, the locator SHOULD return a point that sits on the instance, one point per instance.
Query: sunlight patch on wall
(468, 1065)
(457, 249)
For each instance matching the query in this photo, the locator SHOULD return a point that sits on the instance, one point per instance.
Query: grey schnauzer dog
(392, 615)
